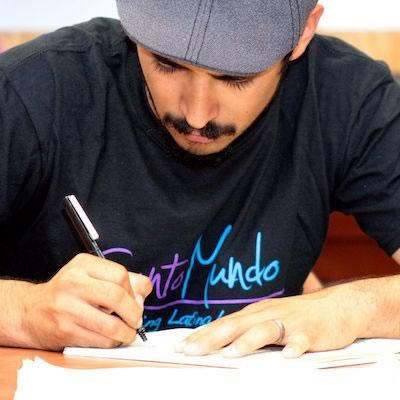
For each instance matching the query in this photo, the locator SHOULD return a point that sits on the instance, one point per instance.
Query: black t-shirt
(213, 233)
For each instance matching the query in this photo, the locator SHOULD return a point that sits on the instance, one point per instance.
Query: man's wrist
(366, 299)
(15, 309)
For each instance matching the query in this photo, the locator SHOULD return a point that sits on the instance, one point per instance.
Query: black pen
(87, 234)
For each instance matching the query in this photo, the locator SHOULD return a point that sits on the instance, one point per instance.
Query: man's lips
(195, 137)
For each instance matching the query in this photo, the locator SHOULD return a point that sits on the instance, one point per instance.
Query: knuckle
(132, 337)
(122, 276)
(227, 326)
(117, 295)
(66, 280)
(98, 325)
(141, 284)
(109, 344)
(76, 265)
(81, 258)
(129, 336)
(258, 333)
(58, 304)
(307, 341)
(104, 289)
(113, 328)
(303, 341)
(245, 344)
(62, 329)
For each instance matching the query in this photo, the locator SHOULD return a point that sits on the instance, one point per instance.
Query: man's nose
(198, 103)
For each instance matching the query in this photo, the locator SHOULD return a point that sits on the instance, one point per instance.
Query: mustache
(211, 131)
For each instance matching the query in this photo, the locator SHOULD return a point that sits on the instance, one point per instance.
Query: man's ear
(308, 33)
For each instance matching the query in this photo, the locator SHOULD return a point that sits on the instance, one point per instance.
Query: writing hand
(328, 319)
(74, 308)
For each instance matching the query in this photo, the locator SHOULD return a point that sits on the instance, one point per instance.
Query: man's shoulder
(339, 61)
(104, 32)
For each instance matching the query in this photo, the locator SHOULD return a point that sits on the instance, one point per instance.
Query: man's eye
(164, 68)
(239, 83)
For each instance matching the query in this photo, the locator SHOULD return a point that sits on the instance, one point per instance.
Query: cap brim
(219, 38)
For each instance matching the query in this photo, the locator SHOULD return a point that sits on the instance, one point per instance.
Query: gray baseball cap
(237, 37)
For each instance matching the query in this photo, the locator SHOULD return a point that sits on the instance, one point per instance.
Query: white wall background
(44, 15)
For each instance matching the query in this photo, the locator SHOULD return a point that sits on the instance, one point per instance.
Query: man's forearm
(13, 300)
(376, 303)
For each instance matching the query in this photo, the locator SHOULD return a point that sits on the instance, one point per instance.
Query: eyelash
(164, 68)
(239, 84)
(169, 69)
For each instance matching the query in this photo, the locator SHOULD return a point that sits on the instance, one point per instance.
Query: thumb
(296, 346)
(141, 286)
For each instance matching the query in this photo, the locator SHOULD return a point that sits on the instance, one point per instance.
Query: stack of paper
(39, 380)
(262, 375)
(160, 348)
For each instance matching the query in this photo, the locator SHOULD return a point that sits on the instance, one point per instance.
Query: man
(208, 149)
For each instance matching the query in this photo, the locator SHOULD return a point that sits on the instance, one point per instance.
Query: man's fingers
(106, 270)
(136, 285)
(141, 286)
(113, 298)
(225, 330)
(243, 337)
(107, 286)
(83, 337)
(213, 337)
(259, 335)
(296, 346)
(109, 326)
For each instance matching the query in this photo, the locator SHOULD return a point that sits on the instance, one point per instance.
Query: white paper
(160, 348)
(42, 381)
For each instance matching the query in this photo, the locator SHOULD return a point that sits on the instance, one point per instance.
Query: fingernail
(290, 352)
(192, 349)
(230, 351)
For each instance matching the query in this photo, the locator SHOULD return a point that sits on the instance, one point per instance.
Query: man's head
(212, 66)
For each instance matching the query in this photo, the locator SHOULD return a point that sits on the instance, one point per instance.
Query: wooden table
(11, 360)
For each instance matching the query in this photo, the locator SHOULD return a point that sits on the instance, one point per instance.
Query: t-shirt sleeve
(20, 158)
(369, 184)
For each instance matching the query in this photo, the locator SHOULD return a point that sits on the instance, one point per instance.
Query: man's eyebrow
(224, 77)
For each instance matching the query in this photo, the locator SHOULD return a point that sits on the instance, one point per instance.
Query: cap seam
(205, 42)
(291, 13)
(193, 28)
(199, 28)
(298, 22)
(205, 30)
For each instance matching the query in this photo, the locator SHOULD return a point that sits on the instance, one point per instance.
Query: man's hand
(89, 302)
(328, 319)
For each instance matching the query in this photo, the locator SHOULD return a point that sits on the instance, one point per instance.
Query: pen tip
(142, 333)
